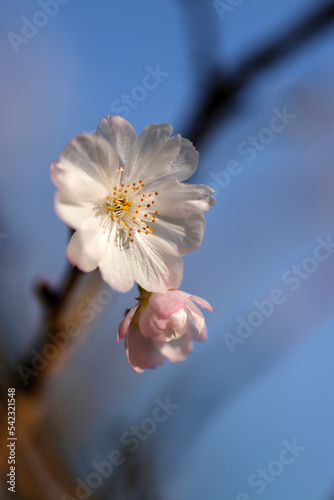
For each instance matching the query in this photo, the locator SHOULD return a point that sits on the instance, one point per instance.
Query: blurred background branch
(219, 87)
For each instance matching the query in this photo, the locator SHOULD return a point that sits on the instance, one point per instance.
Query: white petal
(115, 268)
(120, 134)
(72, 215)
(176, 350)
(156, 263)
(181, 200)
(182, 294)
(185, 165)
(78, 199)
(160, 163)
(178, 321)
(150, 324)
(124, 325)
(91, 154)
(144, 149)
(196, 319)
(196, 315)
(186, 235)
(166, 304)
(200, 337)
(192, 330)
(168, 335)
(87, 246)
(141, 351)
(180, 207)
(160, 310)
(201, 302)
(78, 186)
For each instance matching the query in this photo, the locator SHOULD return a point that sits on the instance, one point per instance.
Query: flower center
(132, 209)
(120, 206)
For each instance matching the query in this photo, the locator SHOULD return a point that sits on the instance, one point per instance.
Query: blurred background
(250, 413)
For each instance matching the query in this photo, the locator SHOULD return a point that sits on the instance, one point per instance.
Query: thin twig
(222, 90)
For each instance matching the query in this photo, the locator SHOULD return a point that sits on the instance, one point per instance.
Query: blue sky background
(236, 408)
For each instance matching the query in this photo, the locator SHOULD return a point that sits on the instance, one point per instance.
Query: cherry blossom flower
(124, 195)
(162, 325)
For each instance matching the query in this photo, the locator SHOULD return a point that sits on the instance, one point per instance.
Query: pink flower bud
(162, 325)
